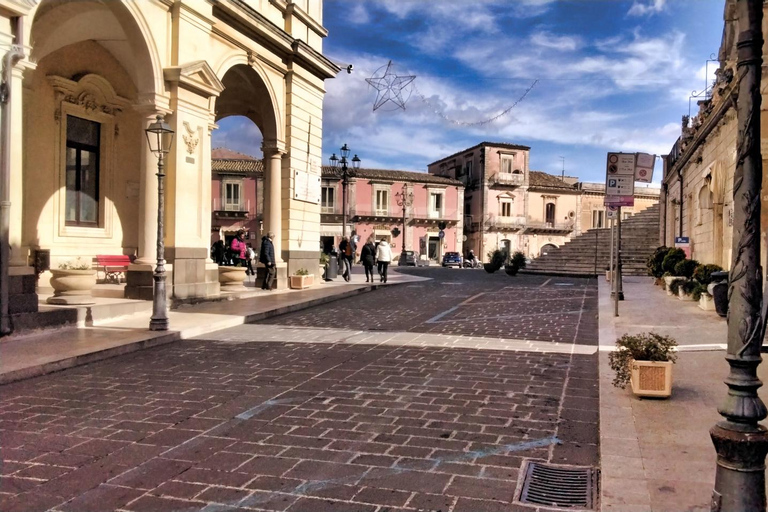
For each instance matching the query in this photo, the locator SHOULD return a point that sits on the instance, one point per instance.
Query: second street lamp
(344, 161)
(404, 200)
(160, 139)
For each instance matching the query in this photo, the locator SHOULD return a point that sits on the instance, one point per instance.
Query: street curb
(164, 339)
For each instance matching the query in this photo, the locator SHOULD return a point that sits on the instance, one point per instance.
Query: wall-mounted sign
(644, 167)
(306, 187)
(684, 243)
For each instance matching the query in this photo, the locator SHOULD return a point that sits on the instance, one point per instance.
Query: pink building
(374, 195)
(236, 195)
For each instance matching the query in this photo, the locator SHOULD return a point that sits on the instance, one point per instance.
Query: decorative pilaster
(273, 151)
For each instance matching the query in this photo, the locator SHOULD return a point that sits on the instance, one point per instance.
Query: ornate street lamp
(160, 139)
(405, 200)
(345, 174)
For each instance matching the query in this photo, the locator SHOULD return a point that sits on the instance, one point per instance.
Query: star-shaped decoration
(390, 87)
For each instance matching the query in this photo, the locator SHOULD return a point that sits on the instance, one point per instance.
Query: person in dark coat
(367, 258)
(267, 257)
(345, 250)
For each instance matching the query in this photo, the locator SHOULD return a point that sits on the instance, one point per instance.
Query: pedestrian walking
(345, 249)
(239, 249)
(367, 258)
(383, 256)
(267, 257)
(250, 255)
(218, 252)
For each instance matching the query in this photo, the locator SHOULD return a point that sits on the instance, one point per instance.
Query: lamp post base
(740, 476)
(158, 324)
(159, 319)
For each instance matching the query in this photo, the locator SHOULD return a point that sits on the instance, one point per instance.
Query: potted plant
(703, 276)
(302, 279)
(72, 282)
(515, 263)
(231, 278)
(669, 262)
(644, 361)
(686, 289)
(496, 261)
(331, 271)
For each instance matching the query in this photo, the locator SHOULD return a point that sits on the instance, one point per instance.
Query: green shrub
(76, 264)
(655, 260)
(496, 259)
(301, 272)
(698, 291)
(688, 286)
(641, 347)
(686, 268)
(675, 286)
(673, 257)
(703, 274)
(518, 259)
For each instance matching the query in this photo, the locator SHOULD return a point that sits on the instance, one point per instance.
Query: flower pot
(302, 282)
(511, 270)
(706, 302)
(72, 286)
(490, 268)
(232, 278)
(651, 378)
(683, 296)
(668, 282)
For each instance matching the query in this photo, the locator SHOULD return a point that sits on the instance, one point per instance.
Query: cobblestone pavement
(434, 408)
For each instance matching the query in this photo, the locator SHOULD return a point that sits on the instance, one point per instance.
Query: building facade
(593, 211)
(373, 211)
(697, 188)
(506, 205)
(93, 75)
(237, 196)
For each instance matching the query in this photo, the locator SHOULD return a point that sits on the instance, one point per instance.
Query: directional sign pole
(619, 275)
(610, 262)
(616, 275)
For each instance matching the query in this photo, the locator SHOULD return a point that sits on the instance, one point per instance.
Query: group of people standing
(379, 254)
(241, 254)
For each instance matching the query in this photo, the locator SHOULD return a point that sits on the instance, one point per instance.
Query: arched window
(549, 213)
(705, 203)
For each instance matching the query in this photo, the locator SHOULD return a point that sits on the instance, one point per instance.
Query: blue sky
(613, 75)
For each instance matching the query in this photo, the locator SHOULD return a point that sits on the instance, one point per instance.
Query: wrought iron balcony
(501, 223)
(505, 179)
(226, 210)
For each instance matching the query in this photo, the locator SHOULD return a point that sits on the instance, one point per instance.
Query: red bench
(113, 265)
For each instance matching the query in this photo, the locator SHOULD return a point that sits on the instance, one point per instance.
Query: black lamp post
(160, 139)
(335, 161)
(404, 199)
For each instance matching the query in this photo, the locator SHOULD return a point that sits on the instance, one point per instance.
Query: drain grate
(559, 486)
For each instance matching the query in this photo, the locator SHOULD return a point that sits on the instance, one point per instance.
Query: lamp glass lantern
(160, 136)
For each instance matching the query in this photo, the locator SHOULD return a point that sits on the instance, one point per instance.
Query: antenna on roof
(562, 176)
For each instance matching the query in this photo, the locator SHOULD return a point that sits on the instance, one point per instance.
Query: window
(549, 212)
(232, 196)
(468, 170)
(598, 219)
(83, 155)
(382, 202)
(436, 204)
(506, 208)
(506, 163)
(328, 200)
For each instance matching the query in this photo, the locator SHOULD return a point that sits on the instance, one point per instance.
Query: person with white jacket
(383, 257)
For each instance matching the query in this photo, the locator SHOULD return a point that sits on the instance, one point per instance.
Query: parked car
(452, 259)
(411, 259)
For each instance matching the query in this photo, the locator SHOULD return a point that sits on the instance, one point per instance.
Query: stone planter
(683, 296)
(511, 270)
(231, 279)
(302, 282)
(651, 378)
(490, 268)
(669, 280)
(706, 302)
(72, 286)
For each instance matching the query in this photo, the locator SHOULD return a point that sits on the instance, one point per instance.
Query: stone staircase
(589, 253)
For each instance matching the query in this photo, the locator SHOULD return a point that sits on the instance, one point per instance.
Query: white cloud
(358, 14)
(562, 43)
(646, 9)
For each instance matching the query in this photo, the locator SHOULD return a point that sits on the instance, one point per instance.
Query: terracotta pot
(68, 283)
(232, 278)
(301, 282)
(651, 378)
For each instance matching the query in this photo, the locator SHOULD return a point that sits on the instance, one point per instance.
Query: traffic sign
(612, 212)
(644, 167)
(621, 164)
(441, 234)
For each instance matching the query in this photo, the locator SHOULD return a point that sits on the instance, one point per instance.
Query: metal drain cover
(559, 486)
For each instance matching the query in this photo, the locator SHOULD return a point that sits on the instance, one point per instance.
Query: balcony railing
(242, 208)
(429, 213)
(550, 226)
(500, 222)
(506, 179)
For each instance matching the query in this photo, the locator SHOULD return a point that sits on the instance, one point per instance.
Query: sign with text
(644, 167)
(620, 179)
(621, 164)
(684, 243)
(612, 212)
(306, 187)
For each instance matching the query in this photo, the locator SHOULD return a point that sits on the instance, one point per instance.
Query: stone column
(148, 201)
(273, 154)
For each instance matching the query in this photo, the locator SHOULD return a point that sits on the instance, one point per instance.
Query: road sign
(684, 243)
(619, 186)
(441, 234)
(612, 212)
(644, 167)
(620, 179)
(621, 164)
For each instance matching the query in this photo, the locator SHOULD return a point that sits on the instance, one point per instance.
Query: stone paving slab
(657, 454)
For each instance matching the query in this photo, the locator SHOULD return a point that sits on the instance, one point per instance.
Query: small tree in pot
(515, 263)
(644, 361)
(496, 261)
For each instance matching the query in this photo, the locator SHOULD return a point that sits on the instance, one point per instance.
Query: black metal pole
(159, 320)
(740, 441)
(619, 276)
(344, 184)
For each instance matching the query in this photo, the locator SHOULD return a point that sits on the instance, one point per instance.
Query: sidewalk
(47, 351)
(657, 454)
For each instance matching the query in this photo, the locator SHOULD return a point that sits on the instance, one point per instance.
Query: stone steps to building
(589, 253)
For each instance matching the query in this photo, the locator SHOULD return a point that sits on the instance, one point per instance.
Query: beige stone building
(593, 211)
(697, 189)
(94, 75)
